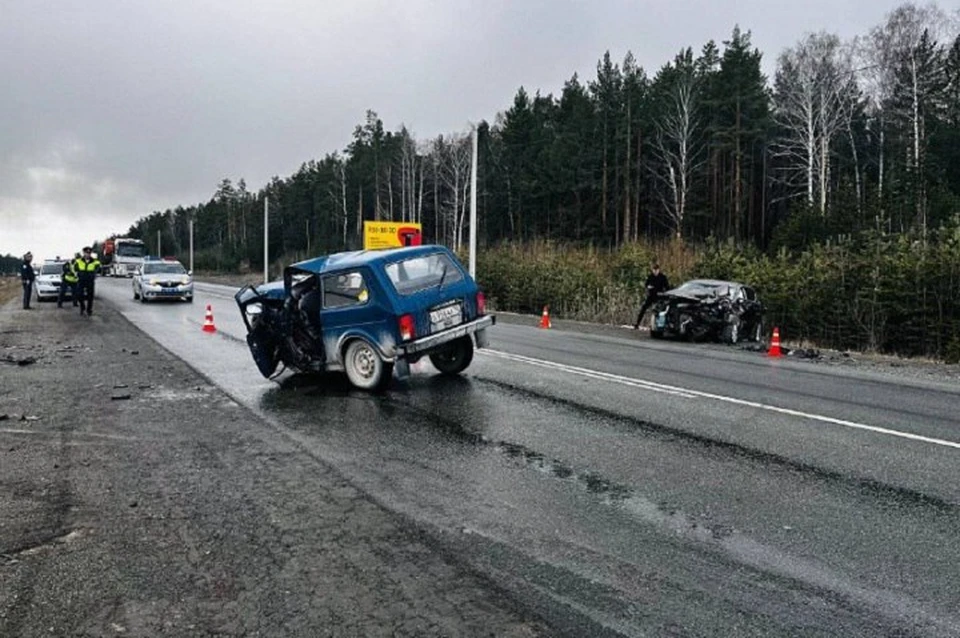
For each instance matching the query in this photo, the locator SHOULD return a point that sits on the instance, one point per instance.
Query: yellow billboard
(378, 235)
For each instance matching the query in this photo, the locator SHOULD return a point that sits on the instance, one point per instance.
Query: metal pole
(159, 254)
(266, 237)
(191, 246)
(473, 207)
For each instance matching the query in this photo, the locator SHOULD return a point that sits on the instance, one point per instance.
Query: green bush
(871, 291)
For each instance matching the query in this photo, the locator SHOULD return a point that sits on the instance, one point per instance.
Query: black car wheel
(455, 358)
(732, 331)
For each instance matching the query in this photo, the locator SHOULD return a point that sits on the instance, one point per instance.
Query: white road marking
(691, 394)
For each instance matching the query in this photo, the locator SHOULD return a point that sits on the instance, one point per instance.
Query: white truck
(122, 256)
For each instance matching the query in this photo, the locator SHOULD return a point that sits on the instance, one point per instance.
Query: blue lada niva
(367, 313)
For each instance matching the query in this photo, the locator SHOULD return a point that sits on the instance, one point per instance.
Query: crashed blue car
(367, 313)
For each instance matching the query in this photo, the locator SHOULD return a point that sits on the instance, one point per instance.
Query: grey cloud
(112, 109)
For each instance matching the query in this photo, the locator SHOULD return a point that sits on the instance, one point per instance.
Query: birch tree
(677, 137)
(815, 85)
(905, 74)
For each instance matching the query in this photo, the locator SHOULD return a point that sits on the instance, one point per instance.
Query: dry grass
(10, 289)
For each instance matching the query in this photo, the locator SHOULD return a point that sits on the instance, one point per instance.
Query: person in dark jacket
(87, 268)
(656, 284)
(26, 279)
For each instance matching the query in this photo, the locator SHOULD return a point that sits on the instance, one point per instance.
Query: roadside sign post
(473, 207)
(191, 246)
(266, 236)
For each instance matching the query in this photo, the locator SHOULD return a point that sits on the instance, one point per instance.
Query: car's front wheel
(454, 358)
(364, 367)
(731, 331)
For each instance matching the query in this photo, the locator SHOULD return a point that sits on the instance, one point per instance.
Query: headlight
(153, 282)
(185, 281)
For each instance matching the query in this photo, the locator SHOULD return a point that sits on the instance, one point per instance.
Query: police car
(47, 282)
(162, 279)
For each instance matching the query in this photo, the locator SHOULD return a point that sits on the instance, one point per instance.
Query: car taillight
(407, 331)
(481, 304)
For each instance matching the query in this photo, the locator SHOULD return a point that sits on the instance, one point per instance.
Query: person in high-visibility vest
(68, 278)
(87, 268)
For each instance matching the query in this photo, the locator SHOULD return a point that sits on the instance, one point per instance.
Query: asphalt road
(612, 484)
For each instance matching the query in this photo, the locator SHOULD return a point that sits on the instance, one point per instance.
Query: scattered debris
(145, 386)
(134, 503)
(120, 397)
(120, 386)
(134, 352)
(4, 417)
(805, 353)
(24, 361)
(24, 417)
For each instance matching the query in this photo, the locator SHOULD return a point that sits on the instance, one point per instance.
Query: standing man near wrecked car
(656, 284)
(87, 268)
(26, 278)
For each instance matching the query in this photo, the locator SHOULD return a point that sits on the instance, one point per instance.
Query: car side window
(749, 294)
(344, 290)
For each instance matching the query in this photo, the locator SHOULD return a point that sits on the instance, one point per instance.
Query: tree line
(846, 136)
(850, 142)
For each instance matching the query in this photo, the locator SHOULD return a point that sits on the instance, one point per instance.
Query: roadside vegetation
(9, 289)
(832, 186)
(870, 292)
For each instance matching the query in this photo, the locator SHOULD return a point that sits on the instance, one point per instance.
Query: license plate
(169, 291)
(445, 317)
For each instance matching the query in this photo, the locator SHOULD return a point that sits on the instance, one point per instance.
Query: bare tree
(896, 55)
(813, 103)
(455, 176)
(678, 145)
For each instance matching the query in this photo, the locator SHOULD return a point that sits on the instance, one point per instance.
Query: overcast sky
(110, 109)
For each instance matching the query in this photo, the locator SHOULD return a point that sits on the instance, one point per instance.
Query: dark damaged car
(367, 313)
(709, 309)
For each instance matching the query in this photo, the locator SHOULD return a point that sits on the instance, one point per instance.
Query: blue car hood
(272, 290)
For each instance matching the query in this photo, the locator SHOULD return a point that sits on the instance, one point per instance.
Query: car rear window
(419, 273)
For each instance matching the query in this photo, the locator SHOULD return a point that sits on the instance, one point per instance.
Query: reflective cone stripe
(208, 321)
(545, 318)
(774, 350)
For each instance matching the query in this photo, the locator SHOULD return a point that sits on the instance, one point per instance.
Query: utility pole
(266, 238)
(191, 246)
(159, 254)
(473, 207)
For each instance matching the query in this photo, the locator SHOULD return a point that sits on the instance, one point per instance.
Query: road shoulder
(138, 499)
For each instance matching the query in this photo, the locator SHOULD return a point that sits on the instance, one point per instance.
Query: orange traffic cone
(774, 350)
(208, 321)
(545, 318)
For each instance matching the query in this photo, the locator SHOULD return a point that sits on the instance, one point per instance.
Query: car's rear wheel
(364, 367)
(454, 358)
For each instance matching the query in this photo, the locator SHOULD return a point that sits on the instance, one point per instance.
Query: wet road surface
(622, 486)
